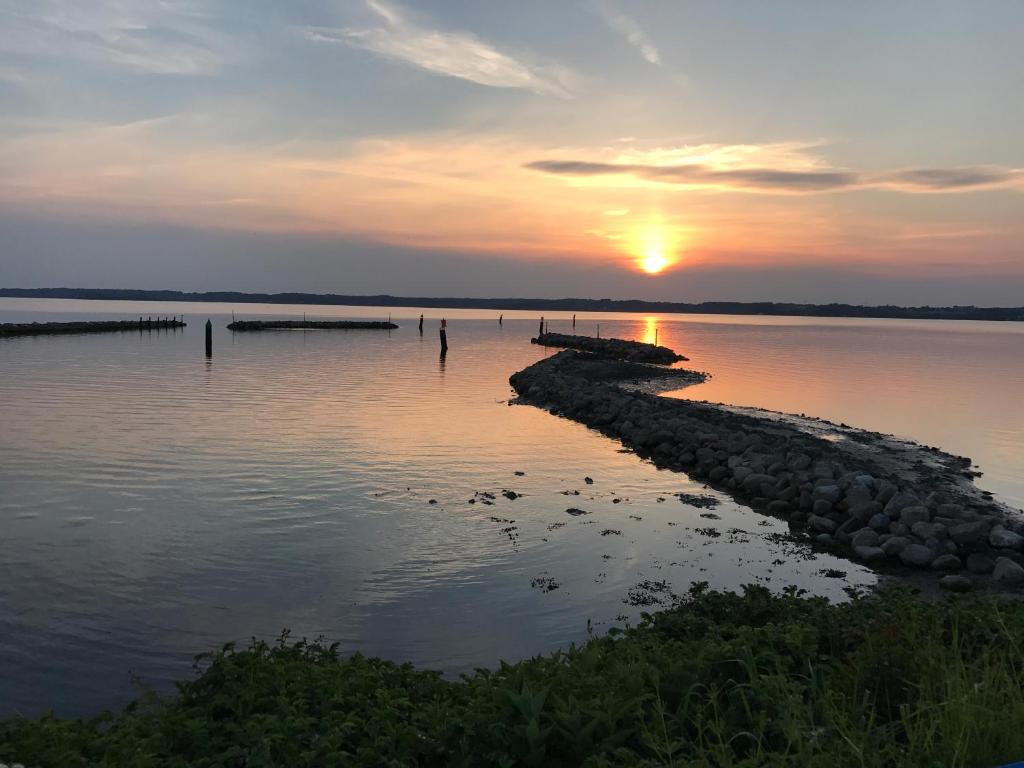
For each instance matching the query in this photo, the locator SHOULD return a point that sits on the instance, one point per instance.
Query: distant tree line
(969, 312)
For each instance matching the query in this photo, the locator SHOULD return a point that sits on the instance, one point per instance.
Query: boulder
(865, 537)
(866, 510)
(824, 539)
(894, 545)
(779, 507)
(869, 554)
(928, 531)
(955, 583)
(899, 502)
(830, 493)
(886, 490)
(910, 514)
(966, 534)
(1001, 538)
(979, 563)
(821, 524)
(917, 555)
(821, 507)
(880, 522)
(1007, 572)
(946, 563)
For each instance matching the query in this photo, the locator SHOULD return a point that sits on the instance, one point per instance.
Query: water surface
(155, 504)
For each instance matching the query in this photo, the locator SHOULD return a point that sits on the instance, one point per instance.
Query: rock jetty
(319, 325)
(615, 349)
(90, 326)
(891, 504)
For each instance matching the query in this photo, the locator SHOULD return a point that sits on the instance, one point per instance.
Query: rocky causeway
(892, 504)
(88, 326)
(316, 325)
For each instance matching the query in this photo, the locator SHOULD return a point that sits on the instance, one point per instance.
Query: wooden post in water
(209, 338)
(599, 330)
(500, 319)
(541, 331)
(421, 325)
(655, 337)
(444, 337)
(574, 322)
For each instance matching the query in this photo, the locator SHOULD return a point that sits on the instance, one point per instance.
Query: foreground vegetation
(720, 680)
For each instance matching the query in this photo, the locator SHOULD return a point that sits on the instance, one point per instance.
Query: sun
(653, 262)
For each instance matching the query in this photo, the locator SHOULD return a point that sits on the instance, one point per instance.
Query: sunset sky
(805, 151)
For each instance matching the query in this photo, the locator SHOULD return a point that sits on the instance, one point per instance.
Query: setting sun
(654, 262)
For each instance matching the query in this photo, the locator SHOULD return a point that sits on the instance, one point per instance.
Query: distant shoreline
(1013, 314)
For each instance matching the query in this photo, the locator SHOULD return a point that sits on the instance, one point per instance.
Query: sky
(671, 150)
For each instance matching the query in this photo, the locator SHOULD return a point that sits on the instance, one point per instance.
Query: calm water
(154, 504)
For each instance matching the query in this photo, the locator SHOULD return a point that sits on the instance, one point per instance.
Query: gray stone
(829, 493)
(742, 473)
(899, 529)
(779, 507)
(824, 539)
(879, 522)
(917, 555)
(866, 510)
(869, 554)
(752, 484)
(950, 510)
(858, 495)
(821, 507)
(865, 537)
(946, 563)
(928, 531)
(1007, 572)
(799, 462)
(894, 545)
(866, 480)
(1003, 539)
(955, 583)
(911, 514)
(969, 533)
(934, 499)
(979, 563)
(822, 524)
(886, 490)
(899, 502)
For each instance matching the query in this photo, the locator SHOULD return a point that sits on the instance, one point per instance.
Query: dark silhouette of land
(541, 305)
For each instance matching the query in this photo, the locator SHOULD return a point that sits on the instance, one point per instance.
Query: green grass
(720, 680)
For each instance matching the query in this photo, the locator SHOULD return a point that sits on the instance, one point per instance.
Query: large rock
(899, 502)
(821, 524)
(829, 493)
(909, 515)
(966, 534)
(946, 563)
(1001, 538)
(928, 531)
(880, 522)
(869, 554)
(980, 563)
(1008, 572)
(917, 555)
(894, 545)
(865, 537)
(955, 583)
(821, 507)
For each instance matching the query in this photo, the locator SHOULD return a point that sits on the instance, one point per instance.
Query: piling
(209, 338)
(574, 322)
(444, 337)
(421, 325)
(541, 332)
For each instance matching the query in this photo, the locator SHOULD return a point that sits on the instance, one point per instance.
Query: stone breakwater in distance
(88, 326)
(617, 349)
(319, 325)
(893, 505)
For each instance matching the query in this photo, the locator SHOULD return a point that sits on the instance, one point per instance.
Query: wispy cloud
(454, 54)
(629, 29)
(170, 37)
(724, 167)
